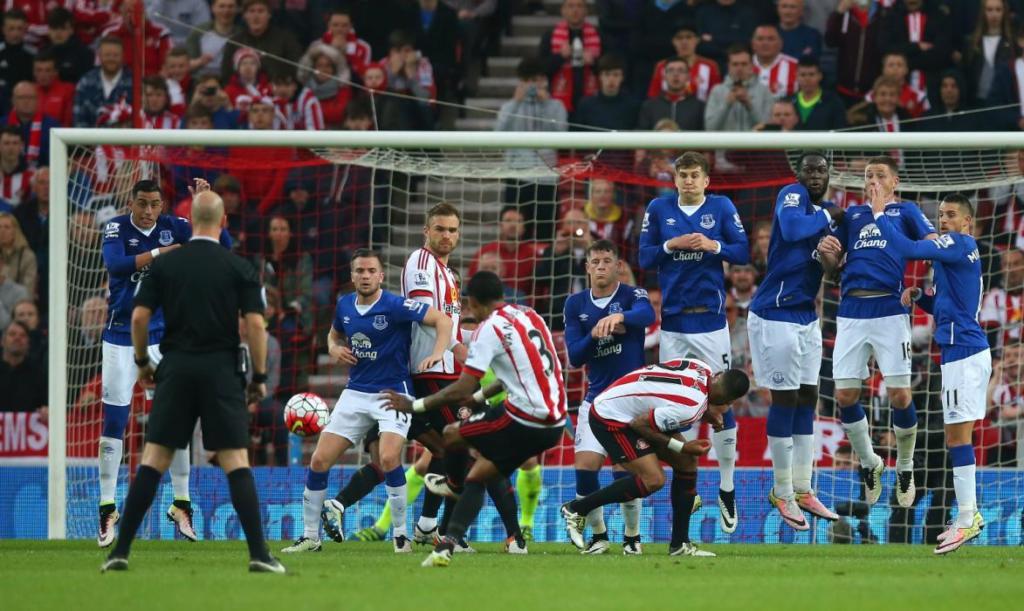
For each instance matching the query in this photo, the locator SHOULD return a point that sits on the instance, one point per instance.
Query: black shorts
(621, 442)
(506, 442)
(434, 420)
(204, 387)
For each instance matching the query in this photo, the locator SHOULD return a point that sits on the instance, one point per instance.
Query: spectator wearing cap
(675, 102)
(156, 39)
(741, 101)
(205, 44)
(215, 101)
(15, 175)
(569, 52)
(258, 33)
(853, 29)
(326, 74)
(798, 39)
(105, 84)
(156, 99)
(15, 57)
(704, 73)
(73, 58)
(248, 81)
(298, 106)
(56, 98)
(611, 107)
(35, 126)
(818, 109)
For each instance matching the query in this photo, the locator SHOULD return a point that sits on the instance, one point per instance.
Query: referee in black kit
(202, 288)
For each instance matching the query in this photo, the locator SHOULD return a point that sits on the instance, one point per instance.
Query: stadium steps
(502, 67)
(484, 108)
(489, 86)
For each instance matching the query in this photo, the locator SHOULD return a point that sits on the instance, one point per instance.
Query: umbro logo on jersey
(133, 242)
(380, 322)
(892, 212)
(583, 317)
(345, 320)
(707, 221)
(670, 222)
(166, 237)
(856, 215)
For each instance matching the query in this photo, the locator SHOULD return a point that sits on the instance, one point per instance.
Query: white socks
(595, 520)
(781, 450)
(631, 517)
(180, 466)
(111, 453)
(803, 462)
(860, 440)
(724, 443)
(396, 497)
(312, 503)
(425, 524)
(964, 486)
(906, 439)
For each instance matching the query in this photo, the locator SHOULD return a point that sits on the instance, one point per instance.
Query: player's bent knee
(847, 392)
(452, 436)
(807, 395)
(157, 456)
(785, 398)
(653, 480)
(233, 459)
(319, 463)
(899, 395)
(588, 461)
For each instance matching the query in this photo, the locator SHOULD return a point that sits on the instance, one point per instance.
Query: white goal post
(62, 139)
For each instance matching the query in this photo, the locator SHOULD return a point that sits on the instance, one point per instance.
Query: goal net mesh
(299, 213)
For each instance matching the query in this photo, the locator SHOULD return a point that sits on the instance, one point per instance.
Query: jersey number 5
(538, 342)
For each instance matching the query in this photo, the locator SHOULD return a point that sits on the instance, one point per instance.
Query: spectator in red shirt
(36, 12)
(247, 82)
(854, 30)
(35, 125)
(342, 36)
(298, 106)
(93, 16)
(156, 113)
(776, 70)
(157, 39)
(911, 99)
(704, 73)
(262, 182)
(326, 74)
(570, 51)
(518, 256)
(179, 81)
(56, 98)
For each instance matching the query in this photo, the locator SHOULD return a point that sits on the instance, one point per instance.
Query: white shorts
(356, 412)
(585, 440)
(887, 337)
(964, 385)
(784, 355)
(119, 372)
(714, 347)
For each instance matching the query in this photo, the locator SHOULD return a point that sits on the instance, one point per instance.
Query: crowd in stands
(663, 65)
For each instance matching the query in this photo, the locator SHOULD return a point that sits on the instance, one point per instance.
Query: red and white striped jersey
(704, 75)
(426, 278)
(779, 76)
(515, 343)
(1005, 311)
(302, 113)
(164, 120)
(14, 187)
(672, 394)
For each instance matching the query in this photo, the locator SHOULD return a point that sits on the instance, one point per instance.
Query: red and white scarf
(915, 33)
(562, 83)
(14, 187)
(35, 137)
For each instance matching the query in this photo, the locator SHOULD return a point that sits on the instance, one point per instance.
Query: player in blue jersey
(372, 333)
(686, 237)
(604, 330)
(872, 321)
(966, 360)
(785, 336)
(130, 244)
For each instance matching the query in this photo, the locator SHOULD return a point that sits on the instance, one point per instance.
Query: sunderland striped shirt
(427, 279)
(672, 395)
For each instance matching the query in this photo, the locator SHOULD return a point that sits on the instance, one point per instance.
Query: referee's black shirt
(201, 287)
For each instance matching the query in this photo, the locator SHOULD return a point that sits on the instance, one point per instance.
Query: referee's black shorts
(205, 387)
(506, 442)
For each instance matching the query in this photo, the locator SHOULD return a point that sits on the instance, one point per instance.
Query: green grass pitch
(42, 575)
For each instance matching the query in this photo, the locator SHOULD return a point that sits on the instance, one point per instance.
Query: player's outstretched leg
(180, 511)
(504, 499)
(724, 443)
(465, 512)
(111, 452)
(362, 482)
(529, 485)
(426, 526)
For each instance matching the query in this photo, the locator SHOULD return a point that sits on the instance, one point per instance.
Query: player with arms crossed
(871, 320)
(966, 360)
(785, 336)
(687, 238)
(604, 330)
(517, 345)
(636, 419)
(130, 244)
(378, 327)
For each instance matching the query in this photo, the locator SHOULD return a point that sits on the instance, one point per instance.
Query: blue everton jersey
(958, 287)
(609, 358)
(790, 286)
(122, 242)
(692, 280)
(380, 338)
(870, 261)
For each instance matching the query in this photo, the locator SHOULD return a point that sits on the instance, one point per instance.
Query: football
(306, 414)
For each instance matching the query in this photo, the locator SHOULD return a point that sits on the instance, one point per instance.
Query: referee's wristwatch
(142, 362)
(259, 378)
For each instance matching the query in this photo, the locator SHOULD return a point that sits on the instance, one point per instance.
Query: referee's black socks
(247, 506)
(140, 497)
